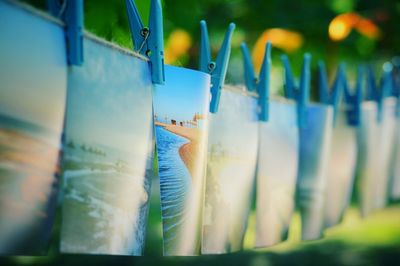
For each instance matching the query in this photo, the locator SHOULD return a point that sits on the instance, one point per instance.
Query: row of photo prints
(94, 144)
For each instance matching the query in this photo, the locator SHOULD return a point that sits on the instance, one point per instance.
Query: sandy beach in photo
(189, 150)
(27, 167)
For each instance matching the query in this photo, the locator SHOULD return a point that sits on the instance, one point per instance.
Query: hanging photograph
(376, 147)
(231, 166)
(367, 167)
(107, 164)
(341, 170)
(395, 170)
(277, 173)
(315, 146)
(180, 113)
(386, 153)
(32, 101)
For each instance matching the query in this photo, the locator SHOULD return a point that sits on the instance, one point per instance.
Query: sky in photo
(185, 93)
(109, 100)
(33, 68)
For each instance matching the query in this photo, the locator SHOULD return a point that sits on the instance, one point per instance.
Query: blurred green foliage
(108, 19)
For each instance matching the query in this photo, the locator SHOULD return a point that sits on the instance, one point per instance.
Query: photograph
(108, 155)
(231, 169)
(341, 170)
(375, 142)
(315, 147)
(395, 170)
(367, 166)
(386, 147)
(278, 161)
(32, 102)
(181, 109)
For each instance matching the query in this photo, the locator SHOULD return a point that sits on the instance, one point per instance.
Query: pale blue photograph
(277, 173)
(315, 149)
(107, 163)
(395, 170)
(386, 153)
(376, 141)
(231, 168)
(341, 169)
(32, 102)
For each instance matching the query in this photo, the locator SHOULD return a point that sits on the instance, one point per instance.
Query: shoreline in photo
(186, 150)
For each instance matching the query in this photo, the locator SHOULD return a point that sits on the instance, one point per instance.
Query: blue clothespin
(71, 12)
(217, 69)
(330, 96)
(299, 93)
(260, 84)
(379, 92)
(149, 41)
(354, 100)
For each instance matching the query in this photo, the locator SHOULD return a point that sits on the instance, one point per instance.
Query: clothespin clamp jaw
(354, 100)
(260, 84)
(149, 41)
(331, 95)
(378, 93)
(300, 93)
(71, 12)
(216, 69)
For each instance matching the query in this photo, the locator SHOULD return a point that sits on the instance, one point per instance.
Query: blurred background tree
(353, 31)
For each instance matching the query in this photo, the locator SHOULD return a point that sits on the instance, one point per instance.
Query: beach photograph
(342, 168)
(276, 173)
(108, 155)
(231, 167)
(32, 103)
(315, 148)
(180, 114)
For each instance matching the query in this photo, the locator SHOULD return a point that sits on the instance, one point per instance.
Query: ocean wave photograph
(108, 155)
(180, 114)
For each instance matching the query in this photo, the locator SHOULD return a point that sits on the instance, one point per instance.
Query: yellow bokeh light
(287, 40)
(341, 26)
(178, 44)
(338, 30)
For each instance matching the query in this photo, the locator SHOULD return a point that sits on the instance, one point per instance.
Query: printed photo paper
(33, 74)
(181, 120)
(231, 166)
(107, 164)
(277, 173)
(315, 146)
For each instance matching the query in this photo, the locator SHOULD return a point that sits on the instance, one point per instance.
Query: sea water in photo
(180, 113)
(107, 164)
(341, 169)
(231, 166)
(376, 144)
(33, 74)
(277, 173)
(315, 146)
